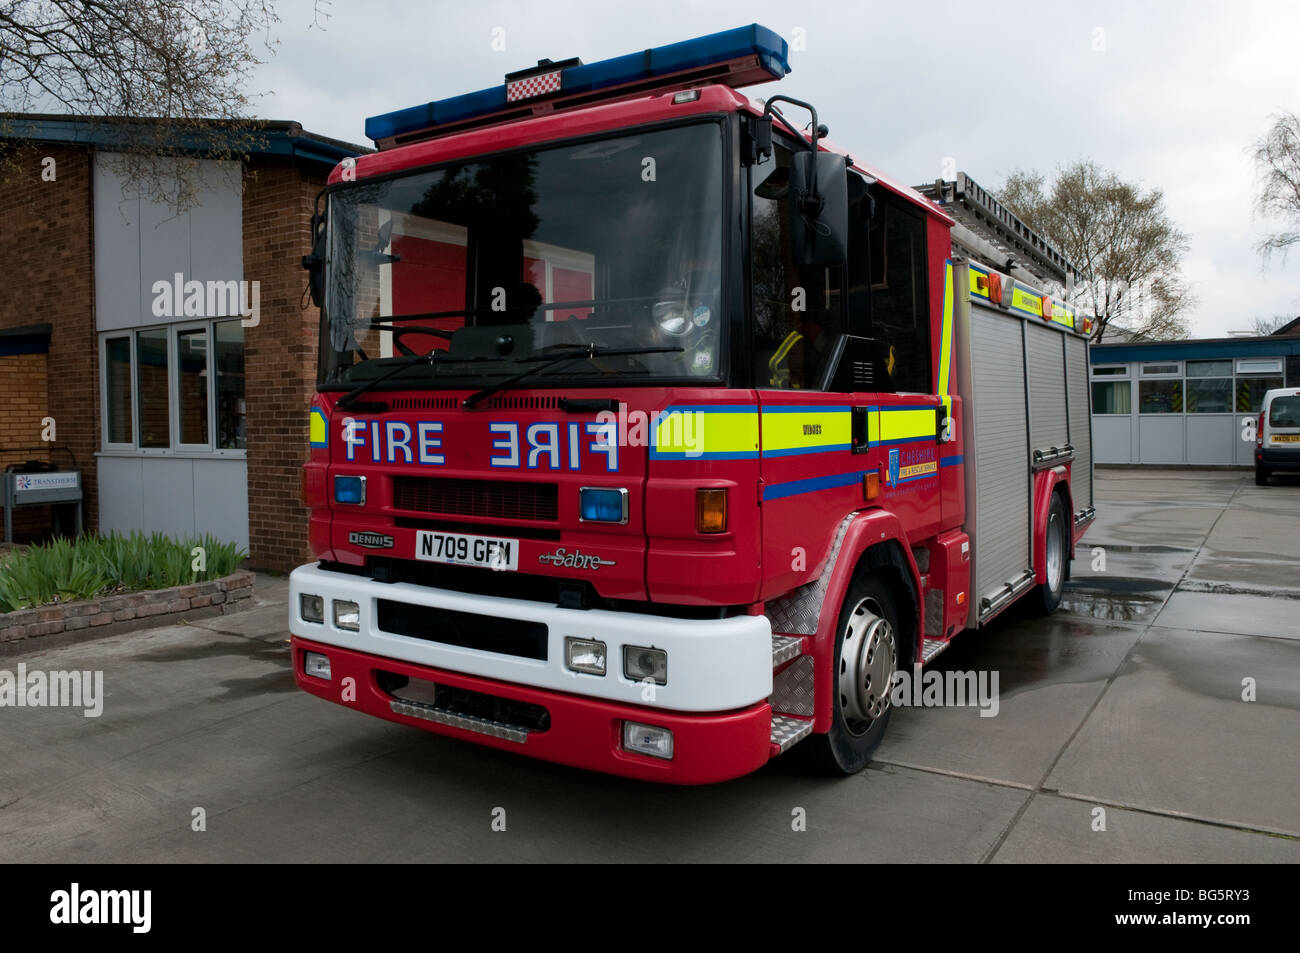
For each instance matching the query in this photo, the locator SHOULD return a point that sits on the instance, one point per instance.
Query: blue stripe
(796, 451)
(776, 491)
(718, 455)
(810, 409)
(716, 408)
(950, 461)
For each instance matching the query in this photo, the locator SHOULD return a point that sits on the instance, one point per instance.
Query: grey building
(1187, 402)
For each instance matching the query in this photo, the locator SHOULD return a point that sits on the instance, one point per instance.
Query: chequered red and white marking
(533, 86)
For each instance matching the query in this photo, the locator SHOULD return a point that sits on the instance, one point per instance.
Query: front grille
(502, 499)
(465, 629)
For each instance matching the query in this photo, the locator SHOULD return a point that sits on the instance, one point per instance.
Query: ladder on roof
(1006, 238)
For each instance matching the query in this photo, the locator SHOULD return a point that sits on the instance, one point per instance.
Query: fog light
(311, 608)
(347, 615)
(599, 505)
(350, 489)
(648, 739)
(642, 663)
(317, 665)
(584, 655)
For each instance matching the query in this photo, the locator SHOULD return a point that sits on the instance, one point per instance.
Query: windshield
(490, 262)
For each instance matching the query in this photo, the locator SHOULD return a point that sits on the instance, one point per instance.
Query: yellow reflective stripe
(945, 342)
(975, 275)
(788, 430)
(317, 431)
(906, 424)
(1024, 301)
(695, 432)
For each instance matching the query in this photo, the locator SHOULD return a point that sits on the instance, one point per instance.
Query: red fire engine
(655, 434)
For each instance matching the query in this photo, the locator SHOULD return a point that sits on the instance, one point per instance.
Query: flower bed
(111, 614)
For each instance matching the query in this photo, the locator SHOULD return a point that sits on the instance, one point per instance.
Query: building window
(229, 360)
(1251, 391)
(1212, 395)
(151, 385)
(118, 402)
(1209, 368)
(1160, 397)
(1162, 370)
(192, 384)
(175, 388)
(1259, 366)
(1112, 397)
(1110, 370)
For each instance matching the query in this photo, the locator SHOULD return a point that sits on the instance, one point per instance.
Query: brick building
(173, 354)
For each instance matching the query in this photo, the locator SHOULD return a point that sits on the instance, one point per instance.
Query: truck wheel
(1261, 476)
(1057, 552)
(869, 648)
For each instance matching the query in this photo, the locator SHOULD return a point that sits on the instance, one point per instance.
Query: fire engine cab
(654, 433)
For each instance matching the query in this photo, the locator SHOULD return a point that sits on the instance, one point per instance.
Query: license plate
(1286, 438)
(461, 549)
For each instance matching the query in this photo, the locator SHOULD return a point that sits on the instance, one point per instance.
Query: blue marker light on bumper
(350, 489)
(601, 505)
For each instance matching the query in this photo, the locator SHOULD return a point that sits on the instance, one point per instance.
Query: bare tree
(1277, 157)
(1122, 240)
(1266, 326)
(174, 70)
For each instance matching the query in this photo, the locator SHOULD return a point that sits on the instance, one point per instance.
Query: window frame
(1179, 382)
(174, 384)
(104, 431)
(1101, 413)
(1121, 371)
(1159, 375)
(174, 448)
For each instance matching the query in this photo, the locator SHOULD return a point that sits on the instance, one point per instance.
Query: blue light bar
(704, 51)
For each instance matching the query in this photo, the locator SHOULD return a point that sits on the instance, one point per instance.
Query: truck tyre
(1056, 552)
(869, 647)
(1261, 476)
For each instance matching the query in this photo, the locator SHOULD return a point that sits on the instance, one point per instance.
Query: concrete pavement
(1124, 710)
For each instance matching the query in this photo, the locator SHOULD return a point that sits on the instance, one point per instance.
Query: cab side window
(798, 310)
(899, 314)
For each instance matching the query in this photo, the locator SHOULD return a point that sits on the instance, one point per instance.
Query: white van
(1277, 436)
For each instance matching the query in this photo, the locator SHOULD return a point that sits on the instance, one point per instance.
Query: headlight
(640, 664)
(347, 615)
(311, 608)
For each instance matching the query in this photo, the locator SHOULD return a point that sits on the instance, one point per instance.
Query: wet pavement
(1153, 718)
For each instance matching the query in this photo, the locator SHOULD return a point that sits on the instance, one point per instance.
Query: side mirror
(819, 208)
(315, 262)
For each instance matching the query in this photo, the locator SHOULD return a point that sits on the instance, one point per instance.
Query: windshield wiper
(361, 388)
(576, 351)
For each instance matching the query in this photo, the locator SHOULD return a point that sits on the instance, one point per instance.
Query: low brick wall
(133, 610)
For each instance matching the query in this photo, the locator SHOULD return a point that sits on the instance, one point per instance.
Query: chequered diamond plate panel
(798, 612)
(792, 688)
(784, 648)
(482, 726)
(932, 647)
(786, 731)
(934, 612)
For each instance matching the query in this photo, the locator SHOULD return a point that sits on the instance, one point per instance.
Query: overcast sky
(1169, 95)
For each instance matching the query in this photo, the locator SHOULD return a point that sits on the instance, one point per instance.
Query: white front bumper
(713, 664)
